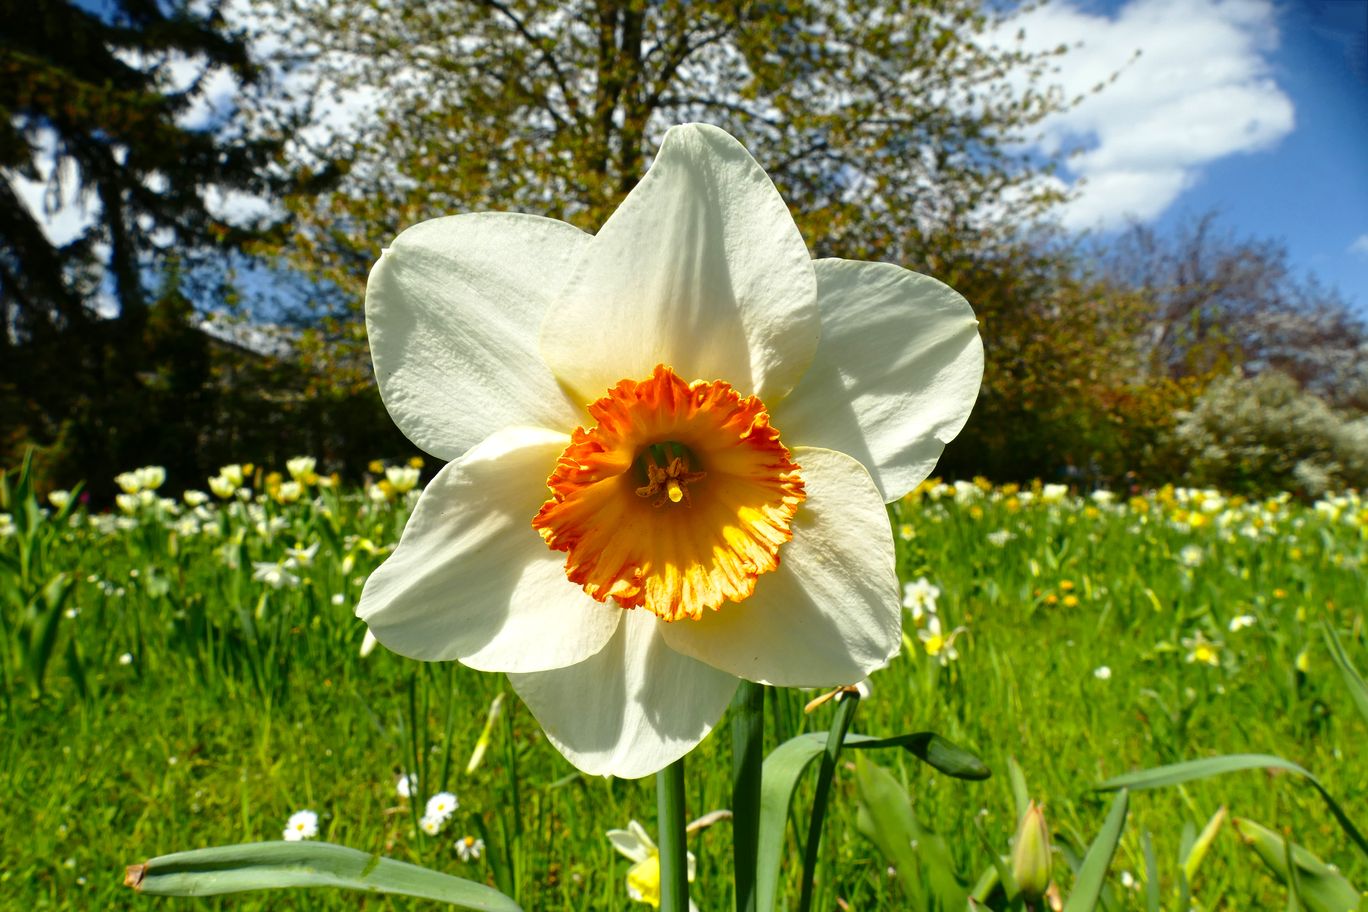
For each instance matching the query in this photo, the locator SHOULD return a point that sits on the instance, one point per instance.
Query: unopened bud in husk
(1031, 859)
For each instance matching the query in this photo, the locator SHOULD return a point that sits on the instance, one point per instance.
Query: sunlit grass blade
(1319, 887)
(1192, 859)
(1020, 796)
(277, 865)
(1087, 888)
(1152, 898)
(1353, 681)
(1177, 773)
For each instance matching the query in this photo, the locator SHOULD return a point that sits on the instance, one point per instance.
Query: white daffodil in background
(920, 597)
(670, 447)
(643, 878)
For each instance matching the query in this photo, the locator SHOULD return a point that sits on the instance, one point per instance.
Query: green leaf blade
(286, 865)
(1087, 890)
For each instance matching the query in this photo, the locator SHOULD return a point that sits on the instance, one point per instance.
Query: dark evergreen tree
(97, 106)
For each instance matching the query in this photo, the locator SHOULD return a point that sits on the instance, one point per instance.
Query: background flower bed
(193, 697)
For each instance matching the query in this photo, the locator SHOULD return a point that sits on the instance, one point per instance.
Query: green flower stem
(674, 859)
(748, 737)
(845, 714)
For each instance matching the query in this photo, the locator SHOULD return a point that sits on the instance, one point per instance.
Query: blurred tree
(106, 115)
(1219, 301)
(884, 124)
(1066, 393)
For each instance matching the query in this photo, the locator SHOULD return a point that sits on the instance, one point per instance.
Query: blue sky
(1311, 188)
(1255, 109)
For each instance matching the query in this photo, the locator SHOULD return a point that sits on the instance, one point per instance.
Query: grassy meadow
(185, 673)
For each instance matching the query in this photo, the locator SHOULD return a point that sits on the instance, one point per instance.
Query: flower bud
(1031, 854)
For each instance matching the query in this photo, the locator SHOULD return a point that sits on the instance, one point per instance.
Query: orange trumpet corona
(676, 500)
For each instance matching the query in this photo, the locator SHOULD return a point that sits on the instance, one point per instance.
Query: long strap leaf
(275, 865)
(1087, 890)
(1353, 681)
(1177, 773)
(786, 764)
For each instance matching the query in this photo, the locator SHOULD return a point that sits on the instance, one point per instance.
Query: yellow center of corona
(676, 500)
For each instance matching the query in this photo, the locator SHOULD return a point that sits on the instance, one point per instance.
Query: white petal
(631, 710)
(453, 309)
(701, 268)
(472, 580)
(895, 376)
(830, 613)
(633, 842)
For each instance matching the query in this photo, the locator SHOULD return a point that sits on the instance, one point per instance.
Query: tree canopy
(884, 125)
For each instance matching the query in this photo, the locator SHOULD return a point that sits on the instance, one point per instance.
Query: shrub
(1264, 433)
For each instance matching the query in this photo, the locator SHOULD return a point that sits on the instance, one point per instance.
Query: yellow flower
(1202, 651)
(222, 486)
(402, 478)
(618, 476)
(287, 492)
(301, 469)
(937, 644)
(643, 878)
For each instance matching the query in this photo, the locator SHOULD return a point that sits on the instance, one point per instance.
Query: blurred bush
(1261, 433)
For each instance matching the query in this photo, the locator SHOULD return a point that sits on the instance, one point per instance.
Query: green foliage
(1264, 433)
(279, 865)
(1313, 884)
(241, 702)
(554, 109)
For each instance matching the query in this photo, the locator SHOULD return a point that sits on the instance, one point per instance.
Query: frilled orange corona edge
(676, 500)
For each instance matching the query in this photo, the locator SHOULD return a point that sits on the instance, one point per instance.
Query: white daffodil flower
(621, 526)
(301, 469)
(920, 597)
(643, 878)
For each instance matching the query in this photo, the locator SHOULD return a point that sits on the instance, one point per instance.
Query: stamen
(670, 481)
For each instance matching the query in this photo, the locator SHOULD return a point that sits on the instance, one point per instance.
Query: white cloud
(1200, 89)
(1360, 245)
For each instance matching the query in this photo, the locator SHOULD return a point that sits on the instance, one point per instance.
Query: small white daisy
(406, 785)
(469, 848)
(431, 825)
(1102, 673)
(1240, 622)
(301, 825)
(1192, 556)
(442, 805)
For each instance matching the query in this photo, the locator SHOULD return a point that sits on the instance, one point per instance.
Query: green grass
(243, 703)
